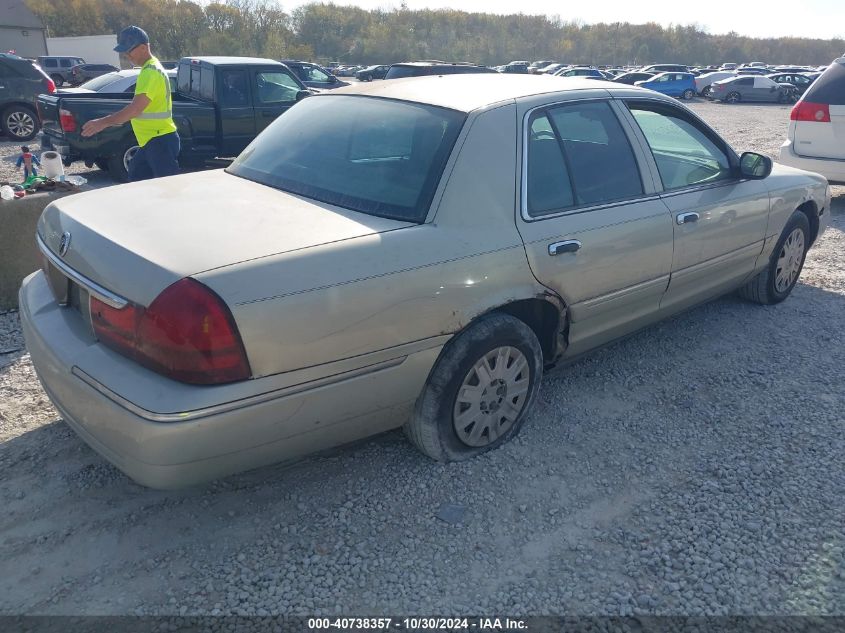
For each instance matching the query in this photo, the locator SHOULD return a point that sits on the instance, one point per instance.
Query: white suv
(816, 139)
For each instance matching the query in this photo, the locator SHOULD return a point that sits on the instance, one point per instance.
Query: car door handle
(685, 218)
(567, 246)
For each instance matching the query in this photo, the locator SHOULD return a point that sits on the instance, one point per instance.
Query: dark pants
(156, 159)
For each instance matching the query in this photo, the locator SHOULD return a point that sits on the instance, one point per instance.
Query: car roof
(471, 92)
(222, 60)
(430, 62)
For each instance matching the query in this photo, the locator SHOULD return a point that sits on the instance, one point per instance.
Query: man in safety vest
(150, 112)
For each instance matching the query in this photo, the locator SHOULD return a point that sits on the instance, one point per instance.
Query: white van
(816, 137)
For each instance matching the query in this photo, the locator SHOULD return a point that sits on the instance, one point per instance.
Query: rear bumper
(831, 168)
(216, 441)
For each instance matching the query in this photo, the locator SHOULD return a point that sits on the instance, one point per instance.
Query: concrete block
(18, 252)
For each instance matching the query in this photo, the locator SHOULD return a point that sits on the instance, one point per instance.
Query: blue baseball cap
(130, 37)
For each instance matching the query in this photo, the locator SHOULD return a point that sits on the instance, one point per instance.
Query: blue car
(672, 84)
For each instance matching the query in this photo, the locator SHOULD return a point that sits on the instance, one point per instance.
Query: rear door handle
(685, 218)
(567, 246)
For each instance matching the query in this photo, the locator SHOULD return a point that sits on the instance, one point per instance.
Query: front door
(274, 92)
(593, 228)
(719, 220)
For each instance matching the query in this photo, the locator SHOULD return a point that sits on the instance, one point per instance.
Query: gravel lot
(694, 468)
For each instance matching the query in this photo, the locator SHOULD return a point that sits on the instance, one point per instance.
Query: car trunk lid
(137, 239)
(824, 137)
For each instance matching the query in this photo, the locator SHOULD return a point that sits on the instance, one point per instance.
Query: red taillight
(51, 86)
(67, 120)
(807, 111)
(187, 333)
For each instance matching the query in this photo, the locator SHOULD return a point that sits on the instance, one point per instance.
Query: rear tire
(118, 165)
(20, 122)
(688, 94)
(58, 80)
(706, 92)
(776, 281)
(733, 97)
(480, 391)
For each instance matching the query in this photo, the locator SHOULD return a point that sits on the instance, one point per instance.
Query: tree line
(329, 32)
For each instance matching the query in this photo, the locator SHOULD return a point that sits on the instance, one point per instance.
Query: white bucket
(51, 162)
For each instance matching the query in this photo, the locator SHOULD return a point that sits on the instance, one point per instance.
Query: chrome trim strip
(106, 296)
(623, 292)
(236, 404)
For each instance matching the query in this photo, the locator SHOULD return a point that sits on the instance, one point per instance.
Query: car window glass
(65, 63)
(684, 153)
(315, 74)
(51, 63)
(748, 81)
(233, 88)
(377, 156)
(548, 187)
(102, 82)
(593, 140)
(275, 87)
(829, 88)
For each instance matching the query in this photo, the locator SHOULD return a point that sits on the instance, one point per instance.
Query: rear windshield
(376, 156)
(829, 88)
(98, 83)
(399, 72)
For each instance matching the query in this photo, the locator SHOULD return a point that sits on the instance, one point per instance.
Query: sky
(823, 19)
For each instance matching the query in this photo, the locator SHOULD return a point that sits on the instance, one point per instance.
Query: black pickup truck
(220, 105)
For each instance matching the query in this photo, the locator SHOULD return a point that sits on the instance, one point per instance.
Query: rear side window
(51, 63)
(581, 156)
(400, 72)
(748, 81)
(65, 63)
(829, 88)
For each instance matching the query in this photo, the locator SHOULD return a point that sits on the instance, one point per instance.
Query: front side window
(579, 155)
(685, 154)
(377, 156)
(275, 87)
(312, 73)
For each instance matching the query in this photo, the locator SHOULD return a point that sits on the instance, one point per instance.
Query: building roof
(473, 91)
(16, 13)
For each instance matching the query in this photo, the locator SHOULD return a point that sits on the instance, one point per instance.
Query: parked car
(58, 67)
(314, 76)
(425, 68)
(83, 72)
(672, 84)
(728, 66)
(799, 81)
(754, 71)
(221, 104)
(790, 69)
(704, 82)
(514, 68)
(632, 77)
(665, 68)
(119, 81)
(580, 71)
(333, 282)
(817, 127)
(169, 64)
(372, 72)
(551, 69)
(752, 88)
(536, 67)
(21, 81)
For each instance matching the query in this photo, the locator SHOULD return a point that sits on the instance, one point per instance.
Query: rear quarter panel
(354, 298)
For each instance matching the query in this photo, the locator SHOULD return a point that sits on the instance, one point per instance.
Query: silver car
(752, 88)
(406, 253)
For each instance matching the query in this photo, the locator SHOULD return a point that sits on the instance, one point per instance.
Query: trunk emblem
(64, 244)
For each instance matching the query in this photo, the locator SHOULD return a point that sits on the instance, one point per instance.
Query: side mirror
(754, 166)
(301, 94)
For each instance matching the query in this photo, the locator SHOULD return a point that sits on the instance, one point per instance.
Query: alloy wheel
(20, 124)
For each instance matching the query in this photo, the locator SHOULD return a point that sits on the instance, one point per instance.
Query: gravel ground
(694, 468)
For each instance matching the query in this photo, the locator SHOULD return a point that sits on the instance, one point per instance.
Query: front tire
(707, 92)
(480, 390)
(58, 80)
(775, 283)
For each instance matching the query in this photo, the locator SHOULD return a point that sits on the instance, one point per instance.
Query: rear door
(274, 91)
(820, 131)
(237, 114)
(593, 228)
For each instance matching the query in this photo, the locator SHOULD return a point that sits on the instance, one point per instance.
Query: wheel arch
(811, 210)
